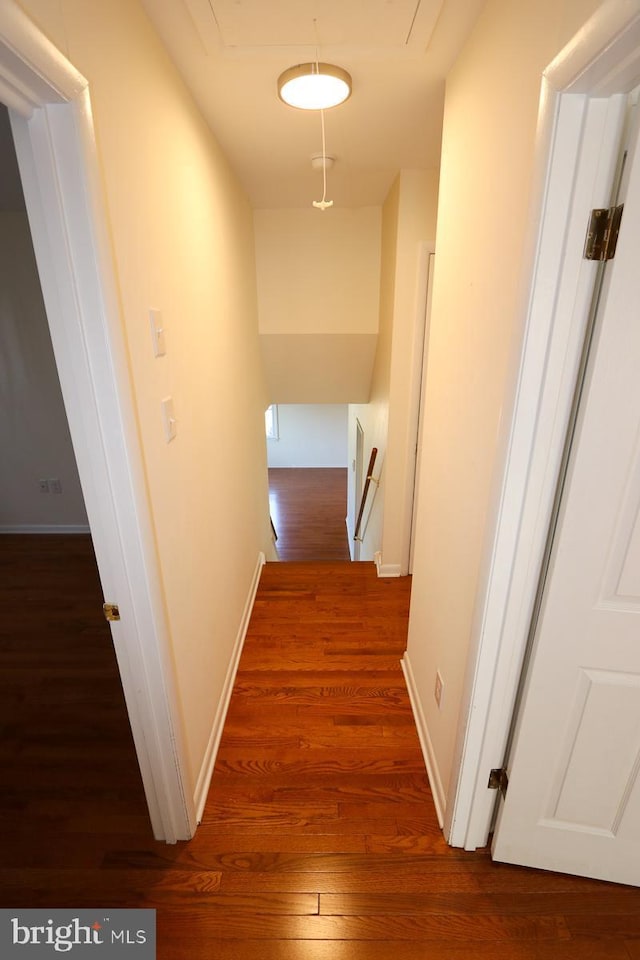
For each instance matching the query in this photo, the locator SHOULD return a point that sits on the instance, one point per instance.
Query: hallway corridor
(308, 509)
(320, 828)
(319, 839)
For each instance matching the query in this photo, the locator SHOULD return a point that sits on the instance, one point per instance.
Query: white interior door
(573, 801)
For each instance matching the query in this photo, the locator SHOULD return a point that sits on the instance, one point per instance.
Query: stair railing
(370, 478)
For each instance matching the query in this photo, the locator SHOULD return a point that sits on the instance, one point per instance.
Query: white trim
(28, 528)
(576, 143)
(351, 543)
(417, 376)
(428, 752)
(424, 356)
(55, 144)
(385, 569)
(33, 72)
(206, 770)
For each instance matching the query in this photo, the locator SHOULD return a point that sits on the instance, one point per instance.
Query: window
(271, 422)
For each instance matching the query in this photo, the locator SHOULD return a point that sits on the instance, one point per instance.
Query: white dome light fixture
(314, 86)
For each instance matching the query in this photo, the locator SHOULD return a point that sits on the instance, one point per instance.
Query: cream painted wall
(318, 367)
(374, 416)
(182, 235)
(310, 435)
(318, 294)
(34, 434)
(318, 272)
(487, 160)
(408, 220)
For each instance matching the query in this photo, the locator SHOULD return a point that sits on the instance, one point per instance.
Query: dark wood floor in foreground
(319, 839)
(308, 509)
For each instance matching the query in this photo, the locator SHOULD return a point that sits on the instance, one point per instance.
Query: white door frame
(358, 486)
(420, 357)
(576, 151)
(51, 120)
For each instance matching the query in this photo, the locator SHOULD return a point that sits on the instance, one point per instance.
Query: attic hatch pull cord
(324, 203)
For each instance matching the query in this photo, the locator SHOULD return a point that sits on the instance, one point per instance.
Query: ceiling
(398, 52)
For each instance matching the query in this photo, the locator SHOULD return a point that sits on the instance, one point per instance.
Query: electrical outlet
(438, 689)
(55, 486)
(44, 486)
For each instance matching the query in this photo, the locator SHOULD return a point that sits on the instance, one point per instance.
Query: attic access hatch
(243, 26)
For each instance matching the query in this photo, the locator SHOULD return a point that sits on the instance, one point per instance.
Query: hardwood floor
(308, 509)
(319, 840)
(68, 767)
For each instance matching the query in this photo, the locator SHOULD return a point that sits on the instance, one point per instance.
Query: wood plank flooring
(308, 509)
(319, 839)
(67, 762)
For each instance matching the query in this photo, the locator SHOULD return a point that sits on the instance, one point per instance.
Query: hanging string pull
(324, 203)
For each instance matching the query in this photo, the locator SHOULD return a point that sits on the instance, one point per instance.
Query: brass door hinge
(498, 780)
(602, 233)
(111, 611)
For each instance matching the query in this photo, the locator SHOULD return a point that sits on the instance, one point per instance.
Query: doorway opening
(61, 687)
(50, 115)
(307, 461)
(579, 132)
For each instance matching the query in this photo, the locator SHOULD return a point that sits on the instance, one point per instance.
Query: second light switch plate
(169, 419)
(157, 333)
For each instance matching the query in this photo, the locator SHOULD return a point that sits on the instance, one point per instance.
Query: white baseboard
(386, 569)
(206, 770)
(425, 742)
(44, 528)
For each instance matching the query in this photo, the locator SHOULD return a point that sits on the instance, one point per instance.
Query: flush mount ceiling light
(314, 86)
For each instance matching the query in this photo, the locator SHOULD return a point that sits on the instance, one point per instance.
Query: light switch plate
(169, 419)
(157, 333)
